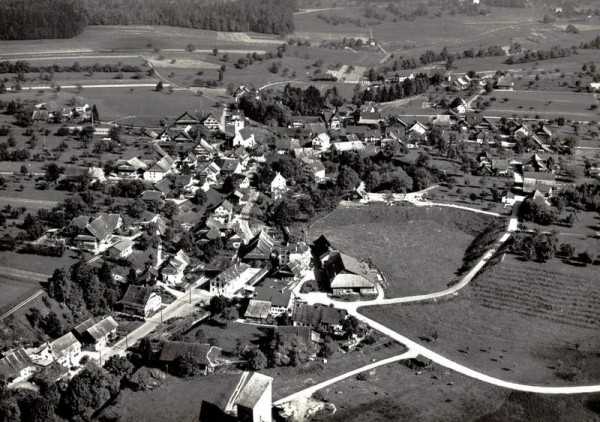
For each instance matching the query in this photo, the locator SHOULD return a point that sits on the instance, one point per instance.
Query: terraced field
(563, 294)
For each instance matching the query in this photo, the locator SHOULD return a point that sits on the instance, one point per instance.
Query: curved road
(418, 349)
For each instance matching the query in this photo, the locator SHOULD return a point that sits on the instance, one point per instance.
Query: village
(301, 249)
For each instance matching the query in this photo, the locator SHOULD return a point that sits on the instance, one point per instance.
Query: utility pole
(191, 295)
(161, 316)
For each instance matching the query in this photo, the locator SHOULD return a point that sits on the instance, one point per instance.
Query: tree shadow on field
(210, 412)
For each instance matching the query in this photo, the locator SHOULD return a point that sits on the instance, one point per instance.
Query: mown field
(418, 249)
(547, 104)
(395, 392)
(524, 322)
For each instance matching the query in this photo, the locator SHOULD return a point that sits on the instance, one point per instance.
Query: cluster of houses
(61, 354)
(51, 112)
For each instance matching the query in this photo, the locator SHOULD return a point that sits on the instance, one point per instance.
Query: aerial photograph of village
(299, 210)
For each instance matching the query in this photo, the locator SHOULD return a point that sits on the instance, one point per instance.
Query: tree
(52, 172)
(52, 325)
(228, 185)
(24, 171)
(256, 360)
(351, 325)
(215, 51)
(186, 366)
(199, 197)
(423, 160)
(119, 366)
(88, 391)
(159, 86)
(585, 257)
(283, 213)
(566, 250)
(347, 179)
(218, 304)
(95, 114)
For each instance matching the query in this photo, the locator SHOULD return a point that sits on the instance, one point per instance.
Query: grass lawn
(288, 379)
(14, 291)
(226, 337)
(570, 105)
(395, 392)
(182, 400)
(523, 322)
(37, 263)
(418, 249)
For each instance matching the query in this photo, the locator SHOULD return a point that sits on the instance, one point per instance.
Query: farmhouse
(141, 301)
(278, 186)
(347, 275)
(212, 123)
(160, 169)
(232, 279)
(171, 351)
(258, 310)
(65, 350)
(254, 403)
(15, 366)
(505, 83)
(245, 138)
(322, 318)
(543, 182)
(121, 249)
(172, 271)
(280, 301)
(259, 250)
(97, 334)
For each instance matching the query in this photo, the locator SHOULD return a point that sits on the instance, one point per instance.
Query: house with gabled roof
(140, 301)
(321, 318)
(15, 366)
(121, 249)
(99, 231)
(280, 301)
(244, 138)
(254, 402)
(233, 279)
(230, 166)
(417, 128)
(160, 169)
(213, 121)
(259, 250)
(171, 351)
(258, 311)
(173, 269)
(347, 275)
(65, 350)
(321, 142)
(224, 212)
(97, 333)
(278, 186)
(186, 119)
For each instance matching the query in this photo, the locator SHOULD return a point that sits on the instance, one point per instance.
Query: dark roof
(314, 315)
(136, 295)
(258, 309)
(14, 362)
(103, 226)
(260, 247)
(172, 350)
(275, 296)
(100, 329)
(345, 263)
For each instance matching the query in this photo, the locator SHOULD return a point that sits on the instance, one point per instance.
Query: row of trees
(22, 66)
(398, 90)
(535, 56)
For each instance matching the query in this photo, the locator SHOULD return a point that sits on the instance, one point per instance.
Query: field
(570, 105)
(14, 291)
(523, 322)
(418, 249)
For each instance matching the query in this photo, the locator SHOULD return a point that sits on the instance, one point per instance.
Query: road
(129, 85)
(179, 307)
(22, 202)
(353, 309)
(310, 390)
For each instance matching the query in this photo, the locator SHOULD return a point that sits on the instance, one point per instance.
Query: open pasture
(519, 321)
(402, 240)
(573, 106)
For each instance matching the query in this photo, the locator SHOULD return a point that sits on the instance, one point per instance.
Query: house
(40, 116)
(230, 166)
(536, 164)
(332, 120)
(369, 118)
(258, 311)
(97, 334)
(232, 279)
(65, 350)
(141, 300)
(347, 275)
(99, 232)
(417, 128)
(15, 366)
(185, 120)
(96, 175)
(280, 300)
(321, 142)
(254, 403)
(155, 195)
(212, 123)
(223, 212)
(244, 138)
(543, 182)
(321, 318)
(171, 351)
(500, 167)
(315, 169)
(259, 250)
(278, 186)
(348, 146)
(505, 83)
(121, 249)
(160, 169)
(172, 271)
